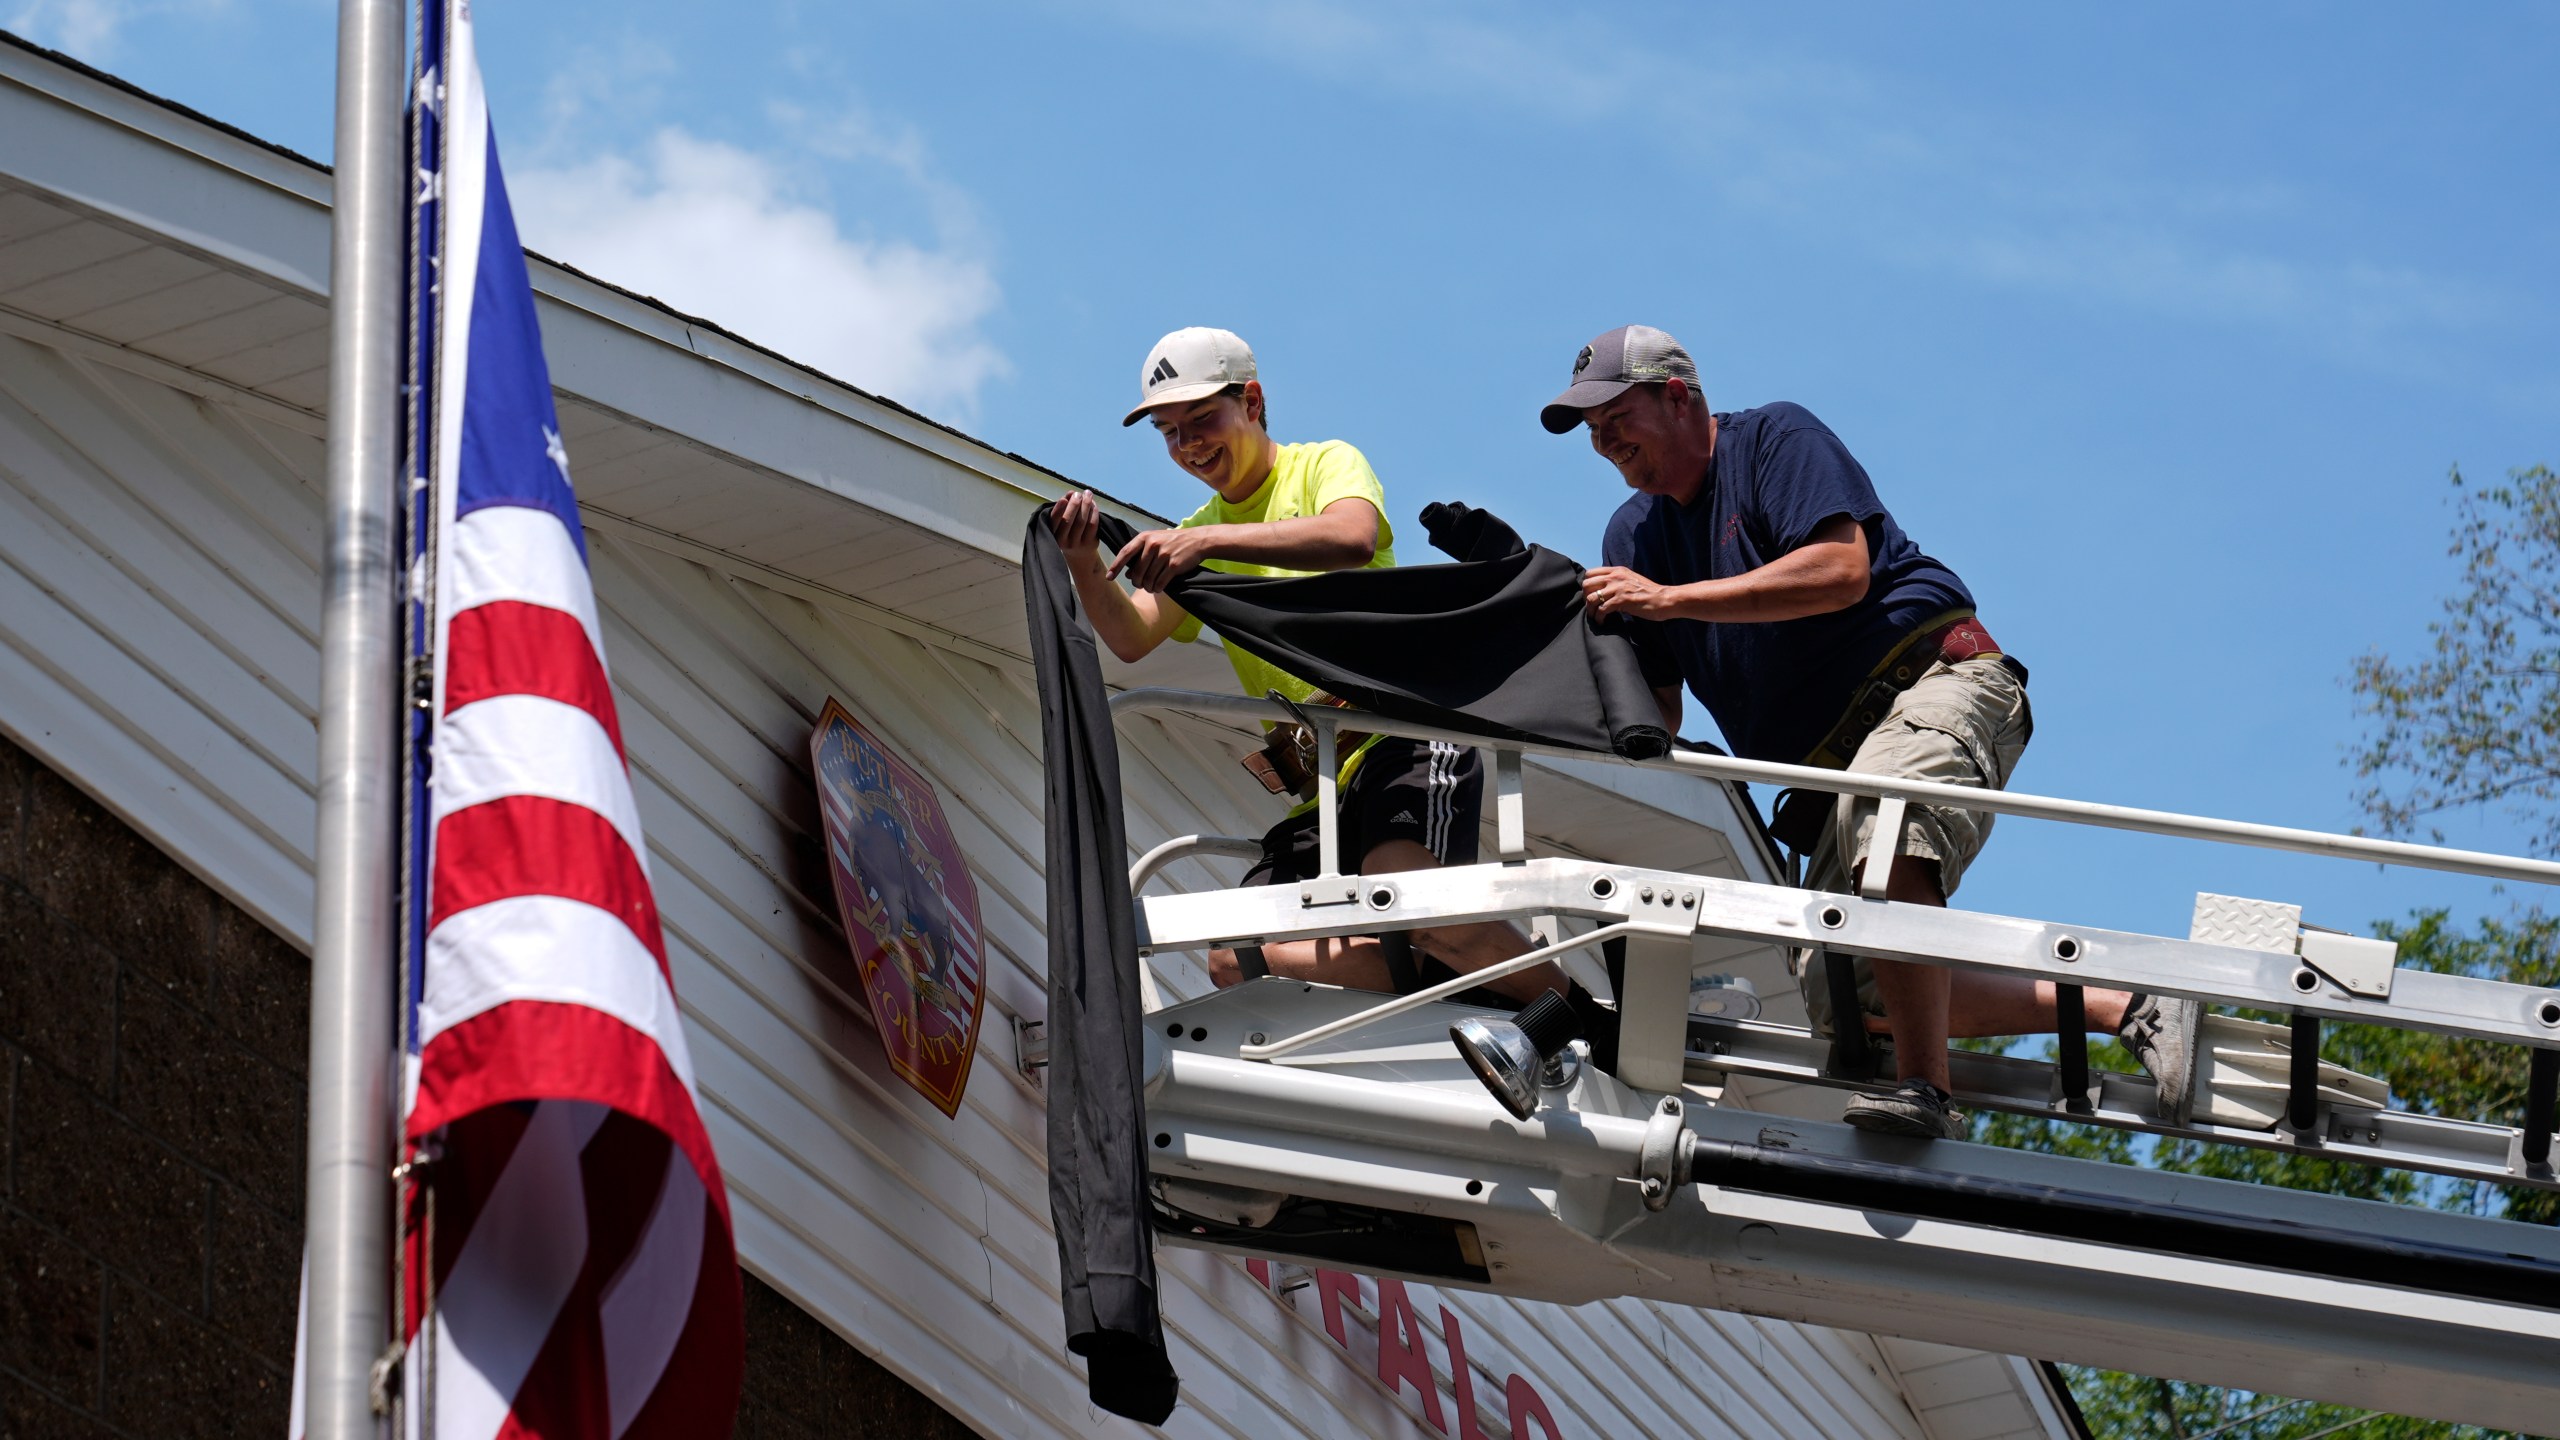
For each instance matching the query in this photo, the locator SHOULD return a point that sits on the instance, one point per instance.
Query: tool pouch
(1286, 763)
(1283, 766)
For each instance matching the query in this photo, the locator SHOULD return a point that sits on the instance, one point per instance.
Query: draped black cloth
(1496, 645)
(1097, 1108)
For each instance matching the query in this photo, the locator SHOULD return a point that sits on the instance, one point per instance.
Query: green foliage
(2477, 722)
(2470, 1079)
(2130, 1407)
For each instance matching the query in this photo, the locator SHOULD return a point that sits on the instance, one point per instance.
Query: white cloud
(735, 237)
(614, 81)
(89, 29)
(852, 135)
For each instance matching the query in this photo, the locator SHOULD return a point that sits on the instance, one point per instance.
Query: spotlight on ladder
(1515, 1057)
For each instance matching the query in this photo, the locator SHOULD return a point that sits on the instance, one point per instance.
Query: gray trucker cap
(1628, 355)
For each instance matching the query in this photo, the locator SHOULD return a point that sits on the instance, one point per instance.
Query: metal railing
(2517, 1014)
(1510, 827)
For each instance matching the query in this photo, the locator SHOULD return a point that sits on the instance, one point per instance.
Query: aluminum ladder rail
(1375, 1150)
(1660, 914)
(1656, 915)
(2389, 1307)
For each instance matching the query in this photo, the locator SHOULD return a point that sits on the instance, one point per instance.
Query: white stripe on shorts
(1441, 786)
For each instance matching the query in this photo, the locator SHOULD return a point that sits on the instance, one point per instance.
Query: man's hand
(1616, 590)
(1131, 625)
(1077, 522)
(1152, 560)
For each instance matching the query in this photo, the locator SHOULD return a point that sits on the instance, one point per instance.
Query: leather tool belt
(1798, 816)
(1951, 637)
(1286, 763)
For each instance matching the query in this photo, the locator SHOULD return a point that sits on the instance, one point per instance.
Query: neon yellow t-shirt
(1304, 479)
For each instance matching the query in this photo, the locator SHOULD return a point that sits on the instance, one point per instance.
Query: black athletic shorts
(1428, 791)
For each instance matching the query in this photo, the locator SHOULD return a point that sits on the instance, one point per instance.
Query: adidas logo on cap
(1191, 364)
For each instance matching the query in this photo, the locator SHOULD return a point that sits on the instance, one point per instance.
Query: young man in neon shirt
(1290, 509)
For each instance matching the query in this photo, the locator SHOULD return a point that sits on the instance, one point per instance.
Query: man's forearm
(1737, 601)
(1115, 617)
(1344, 537)
(1791, 587)
(1313, 542)
(1828, 573)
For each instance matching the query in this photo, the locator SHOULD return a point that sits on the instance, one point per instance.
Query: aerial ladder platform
(1309, 1123)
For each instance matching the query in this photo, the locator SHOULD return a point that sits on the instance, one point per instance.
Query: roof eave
(241, 202)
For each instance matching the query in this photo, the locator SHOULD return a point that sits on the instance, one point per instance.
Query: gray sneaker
(1915, 1108)
(2161, 1033)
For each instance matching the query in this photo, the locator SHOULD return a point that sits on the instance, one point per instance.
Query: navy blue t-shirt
(1778, 476)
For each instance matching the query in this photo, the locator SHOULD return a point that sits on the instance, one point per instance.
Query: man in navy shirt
(1756, 565)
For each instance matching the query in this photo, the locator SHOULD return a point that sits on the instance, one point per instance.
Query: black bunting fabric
(1097, 1110)
(1496, 644)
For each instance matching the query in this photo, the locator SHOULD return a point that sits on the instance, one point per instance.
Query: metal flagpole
(350, 1190)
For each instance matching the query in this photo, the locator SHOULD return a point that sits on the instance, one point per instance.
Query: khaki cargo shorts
(1964, 723)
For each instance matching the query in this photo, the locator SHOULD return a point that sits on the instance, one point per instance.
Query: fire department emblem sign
(909, 906)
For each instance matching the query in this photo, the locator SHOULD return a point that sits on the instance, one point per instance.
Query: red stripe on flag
(533, 845)
(508, 647)
(471, 1157)
(543, 1050)
(698, 1392)
(565, 1395)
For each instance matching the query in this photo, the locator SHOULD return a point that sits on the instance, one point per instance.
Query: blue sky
(2162, 324)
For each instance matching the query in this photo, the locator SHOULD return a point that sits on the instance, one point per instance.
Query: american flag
(569, 1266)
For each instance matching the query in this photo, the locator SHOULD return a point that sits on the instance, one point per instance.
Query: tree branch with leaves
(2476, 721)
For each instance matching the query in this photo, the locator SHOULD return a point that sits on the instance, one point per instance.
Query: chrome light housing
(1514, 1057)
(1503, 1059)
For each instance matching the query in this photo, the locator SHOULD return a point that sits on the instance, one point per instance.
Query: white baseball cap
(1191, 364)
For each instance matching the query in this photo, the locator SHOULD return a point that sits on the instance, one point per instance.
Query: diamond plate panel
(2248, 924)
